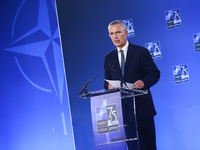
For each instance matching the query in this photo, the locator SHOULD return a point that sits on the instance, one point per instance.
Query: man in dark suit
(133, 65)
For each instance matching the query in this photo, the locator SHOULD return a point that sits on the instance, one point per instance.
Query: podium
(107, 118)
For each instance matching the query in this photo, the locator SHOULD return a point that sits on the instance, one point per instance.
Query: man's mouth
(117, 41)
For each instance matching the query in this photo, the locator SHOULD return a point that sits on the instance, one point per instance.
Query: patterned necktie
(122, 62)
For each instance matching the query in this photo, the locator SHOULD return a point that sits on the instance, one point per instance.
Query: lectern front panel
(107, 119)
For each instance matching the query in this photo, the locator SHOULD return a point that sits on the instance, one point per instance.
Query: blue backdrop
(168, 29)
(34, 105)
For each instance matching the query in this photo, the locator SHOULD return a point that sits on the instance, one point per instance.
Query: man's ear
(126, 32)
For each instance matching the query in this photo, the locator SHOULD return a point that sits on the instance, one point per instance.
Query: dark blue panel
(34, 106)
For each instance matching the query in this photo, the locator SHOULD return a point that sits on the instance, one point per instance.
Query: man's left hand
(139, 84)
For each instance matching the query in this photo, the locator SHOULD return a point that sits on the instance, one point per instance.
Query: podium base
(113, 146)
(123, 145)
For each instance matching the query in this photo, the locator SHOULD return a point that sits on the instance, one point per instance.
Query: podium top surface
(125, 92)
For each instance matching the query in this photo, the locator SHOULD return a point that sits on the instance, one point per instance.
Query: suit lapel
(128, 61)
(117, 66)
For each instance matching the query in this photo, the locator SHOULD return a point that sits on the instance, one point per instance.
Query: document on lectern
(117, 84)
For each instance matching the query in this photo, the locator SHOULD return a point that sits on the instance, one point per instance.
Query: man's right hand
(110, 86)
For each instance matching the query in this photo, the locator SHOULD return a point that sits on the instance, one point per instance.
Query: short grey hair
(123, 25)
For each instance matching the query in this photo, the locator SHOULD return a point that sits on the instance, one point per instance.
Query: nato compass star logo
(37, 36)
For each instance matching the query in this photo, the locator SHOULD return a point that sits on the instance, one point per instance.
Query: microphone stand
(85, 86)
(123, 82)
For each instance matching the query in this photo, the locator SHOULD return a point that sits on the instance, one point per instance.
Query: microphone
(111, 65)
(123, 82)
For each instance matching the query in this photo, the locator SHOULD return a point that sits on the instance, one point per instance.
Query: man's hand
(139, 84)
(110, 86)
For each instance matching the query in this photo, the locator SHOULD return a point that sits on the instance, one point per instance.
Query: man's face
(118, 35)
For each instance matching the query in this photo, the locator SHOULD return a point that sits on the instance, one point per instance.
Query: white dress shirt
(125, 49)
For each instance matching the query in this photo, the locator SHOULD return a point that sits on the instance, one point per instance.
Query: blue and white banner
(173, 18)
(130, 27)
(34, 99)
(196, 38)
(154, 49)
(181, 74)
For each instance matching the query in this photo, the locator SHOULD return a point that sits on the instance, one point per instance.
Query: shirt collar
(125, 48)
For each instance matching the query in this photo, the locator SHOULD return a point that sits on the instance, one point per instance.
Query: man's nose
(115, 36)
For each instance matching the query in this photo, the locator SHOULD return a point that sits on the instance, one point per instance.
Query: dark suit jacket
(139, 66)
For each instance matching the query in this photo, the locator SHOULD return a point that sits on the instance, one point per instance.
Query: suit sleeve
(152, 74)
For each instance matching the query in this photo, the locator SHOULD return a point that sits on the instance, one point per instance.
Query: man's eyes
(117, 32)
